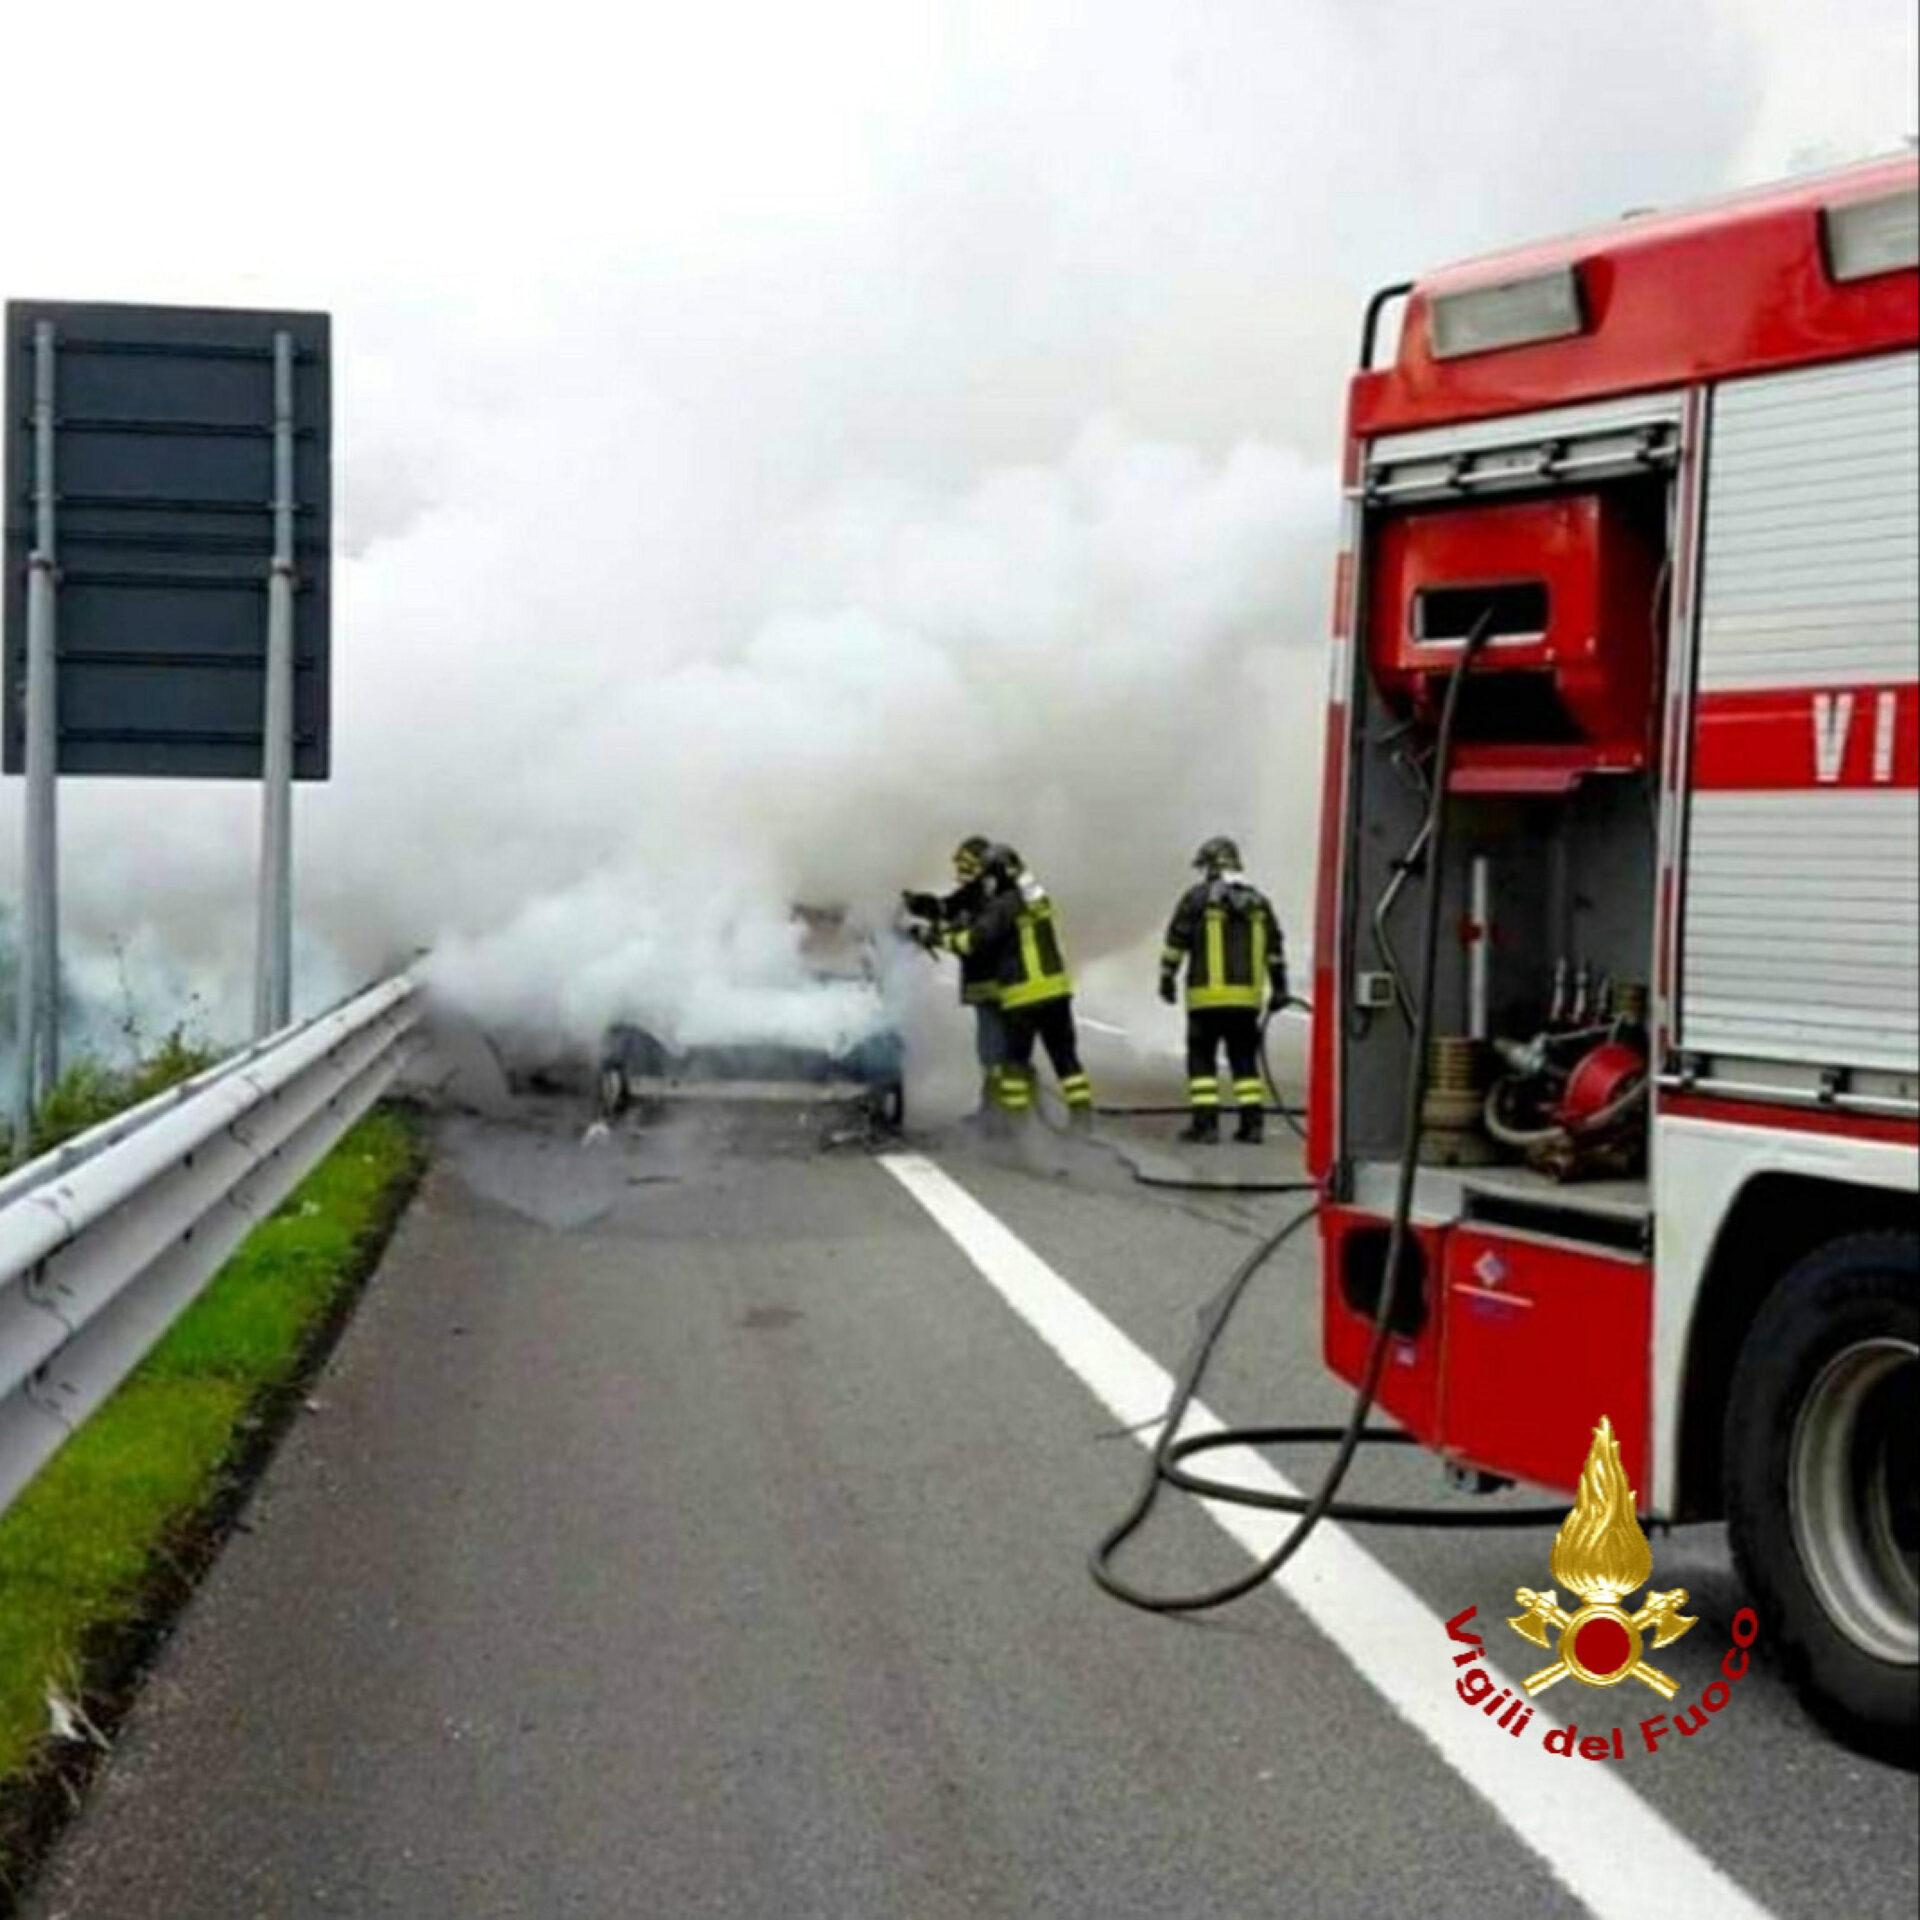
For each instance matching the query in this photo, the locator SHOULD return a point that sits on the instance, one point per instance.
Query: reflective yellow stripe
(1204, 1093)
(1030, 962)
(1207, 985)
(1172, 956)
(1036, 985)
(1249, 1090)
(1033, 993)
(1259, 946)
(1078, 1090)
(1214, 996)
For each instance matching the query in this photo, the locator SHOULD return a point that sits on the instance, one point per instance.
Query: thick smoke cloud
(779, 441)
(1064, 655)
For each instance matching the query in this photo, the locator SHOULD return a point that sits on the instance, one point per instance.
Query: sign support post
(38, 1020)
(193, 448)
(273, 952)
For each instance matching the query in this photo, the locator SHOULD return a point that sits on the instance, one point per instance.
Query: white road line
(1605, 1844)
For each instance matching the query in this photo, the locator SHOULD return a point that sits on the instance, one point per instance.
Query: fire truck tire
(1821, 1483)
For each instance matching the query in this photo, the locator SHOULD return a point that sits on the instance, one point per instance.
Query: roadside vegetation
(104, 1544)
(88, 1092)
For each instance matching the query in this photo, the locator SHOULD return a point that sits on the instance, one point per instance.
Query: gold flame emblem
(1601, 1555)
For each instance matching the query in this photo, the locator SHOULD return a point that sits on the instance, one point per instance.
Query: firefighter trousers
(990, 1049)
(1051, 1025)
(989, 1035)
(1237, 1029)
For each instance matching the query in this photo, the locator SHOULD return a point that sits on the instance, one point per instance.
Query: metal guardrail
(104, 1243)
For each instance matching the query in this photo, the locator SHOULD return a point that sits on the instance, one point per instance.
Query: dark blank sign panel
(163, 487)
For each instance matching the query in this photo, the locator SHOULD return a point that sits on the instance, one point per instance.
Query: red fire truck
(1666, 475)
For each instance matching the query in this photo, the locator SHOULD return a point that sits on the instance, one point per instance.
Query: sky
(772, 442)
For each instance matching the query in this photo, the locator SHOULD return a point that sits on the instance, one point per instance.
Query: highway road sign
(163, 516)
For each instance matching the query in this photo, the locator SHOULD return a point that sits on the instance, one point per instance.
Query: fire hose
(1532, 1139)
(1165, 1464)
(1276, 1101)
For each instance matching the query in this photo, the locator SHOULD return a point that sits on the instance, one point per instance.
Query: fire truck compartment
(1616, 1215)
(1568, 583)
(1535, 1339)
(1547, 893)
(1799, 962)
(1352, 1266)
(1503, 1344)
(1569, 888)
(1527, 1300)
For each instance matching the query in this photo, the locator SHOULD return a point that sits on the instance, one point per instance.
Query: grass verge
(100, 1551)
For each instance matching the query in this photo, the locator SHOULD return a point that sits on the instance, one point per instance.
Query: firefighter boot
(1015, 1101)
(1252, 1129)
(1203, 1128)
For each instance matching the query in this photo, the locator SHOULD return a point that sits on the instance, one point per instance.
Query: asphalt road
(686, 1526)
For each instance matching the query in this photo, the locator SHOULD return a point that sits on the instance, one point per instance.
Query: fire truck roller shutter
(1801, 930)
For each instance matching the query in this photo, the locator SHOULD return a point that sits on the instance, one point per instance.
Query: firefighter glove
(1168, 991)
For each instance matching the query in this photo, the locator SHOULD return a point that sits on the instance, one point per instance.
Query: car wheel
(1823, 1499)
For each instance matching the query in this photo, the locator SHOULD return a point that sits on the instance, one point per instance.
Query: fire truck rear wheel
(1822, 1492)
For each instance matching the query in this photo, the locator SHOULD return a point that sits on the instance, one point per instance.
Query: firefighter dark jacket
(1015, 940)
(1227, 935)
(979, 979)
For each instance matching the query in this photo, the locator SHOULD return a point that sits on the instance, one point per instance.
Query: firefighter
(979, 989)
(1015, 936)
(1226, 934)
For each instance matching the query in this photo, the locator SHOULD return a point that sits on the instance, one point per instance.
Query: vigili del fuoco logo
(1601, 1556)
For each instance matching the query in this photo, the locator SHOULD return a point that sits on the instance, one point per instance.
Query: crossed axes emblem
(1659, 1616)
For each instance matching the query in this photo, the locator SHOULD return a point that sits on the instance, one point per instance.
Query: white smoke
(778, 443)
(1060, 656)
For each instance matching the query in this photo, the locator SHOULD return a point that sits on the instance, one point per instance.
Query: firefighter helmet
(970, 855)
(1218, 855)
(1001, 862)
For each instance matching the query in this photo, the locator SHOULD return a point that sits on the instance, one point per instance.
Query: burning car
(828, 1040)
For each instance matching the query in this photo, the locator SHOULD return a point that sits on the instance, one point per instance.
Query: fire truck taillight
(1867, 237)
(1510, 313)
